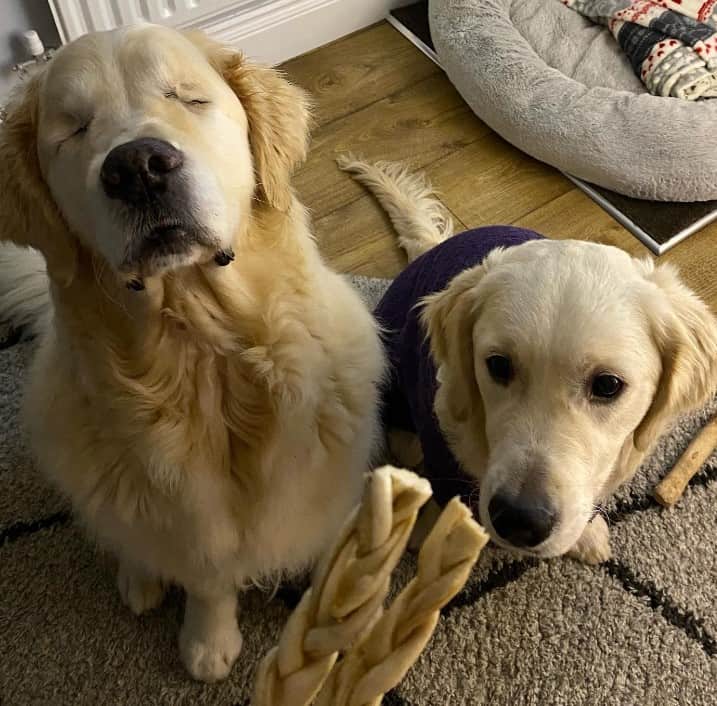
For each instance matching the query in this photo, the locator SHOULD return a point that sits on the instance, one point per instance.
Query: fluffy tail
(417, 215)
(24, 289)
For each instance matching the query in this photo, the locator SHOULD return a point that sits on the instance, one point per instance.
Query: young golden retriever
(554, 366)
(205, 387)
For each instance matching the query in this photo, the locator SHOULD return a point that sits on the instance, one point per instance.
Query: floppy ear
(685, 332)
(278, 113)
(28, 214)
(449, 318)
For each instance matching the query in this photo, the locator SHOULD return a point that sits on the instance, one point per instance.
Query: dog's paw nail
(211, 659)
(136, 285)
(224, 257)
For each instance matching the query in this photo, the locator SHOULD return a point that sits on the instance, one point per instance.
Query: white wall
(270, 30)
(17, 16)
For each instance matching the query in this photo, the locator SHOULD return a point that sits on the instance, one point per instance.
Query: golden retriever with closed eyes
(205, 387)
(550, 367)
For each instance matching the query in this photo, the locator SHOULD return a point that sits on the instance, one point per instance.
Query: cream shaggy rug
(641, 629)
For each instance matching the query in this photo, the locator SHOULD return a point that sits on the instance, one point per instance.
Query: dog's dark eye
(606, 386)
(500, 368)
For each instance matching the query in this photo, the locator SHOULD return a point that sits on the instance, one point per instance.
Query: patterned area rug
(641, 629)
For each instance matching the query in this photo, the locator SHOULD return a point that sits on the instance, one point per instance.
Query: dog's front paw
(139, 591)
(209, 658)
(593, 547)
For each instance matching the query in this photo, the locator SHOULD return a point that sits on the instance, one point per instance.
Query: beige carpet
(641, 629)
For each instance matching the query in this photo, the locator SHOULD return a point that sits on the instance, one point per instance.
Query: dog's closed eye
(173, 95)
(81, 130)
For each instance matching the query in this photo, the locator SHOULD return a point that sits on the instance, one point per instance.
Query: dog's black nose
(520, 523)
(137, 171)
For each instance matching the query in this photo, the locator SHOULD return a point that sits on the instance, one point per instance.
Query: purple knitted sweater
(411, 388)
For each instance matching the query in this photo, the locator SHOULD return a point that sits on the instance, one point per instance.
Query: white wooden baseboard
(278, 30)
(269, 30)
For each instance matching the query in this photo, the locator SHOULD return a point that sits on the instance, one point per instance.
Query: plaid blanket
(672, 46)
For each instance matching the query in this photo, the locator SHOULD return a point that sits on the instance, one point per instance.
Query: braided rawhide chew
(347, 593)
(379, 662)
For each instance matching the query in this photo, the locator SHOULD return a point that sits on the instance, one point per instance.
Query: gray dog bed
(559, 88)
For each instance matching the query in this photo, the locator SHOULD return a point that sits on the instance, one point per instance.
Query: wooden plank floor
(379, 97)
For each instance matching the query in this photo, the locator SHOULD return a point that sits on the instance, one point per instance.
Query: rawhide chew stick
(670, 489)
(379, 662)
